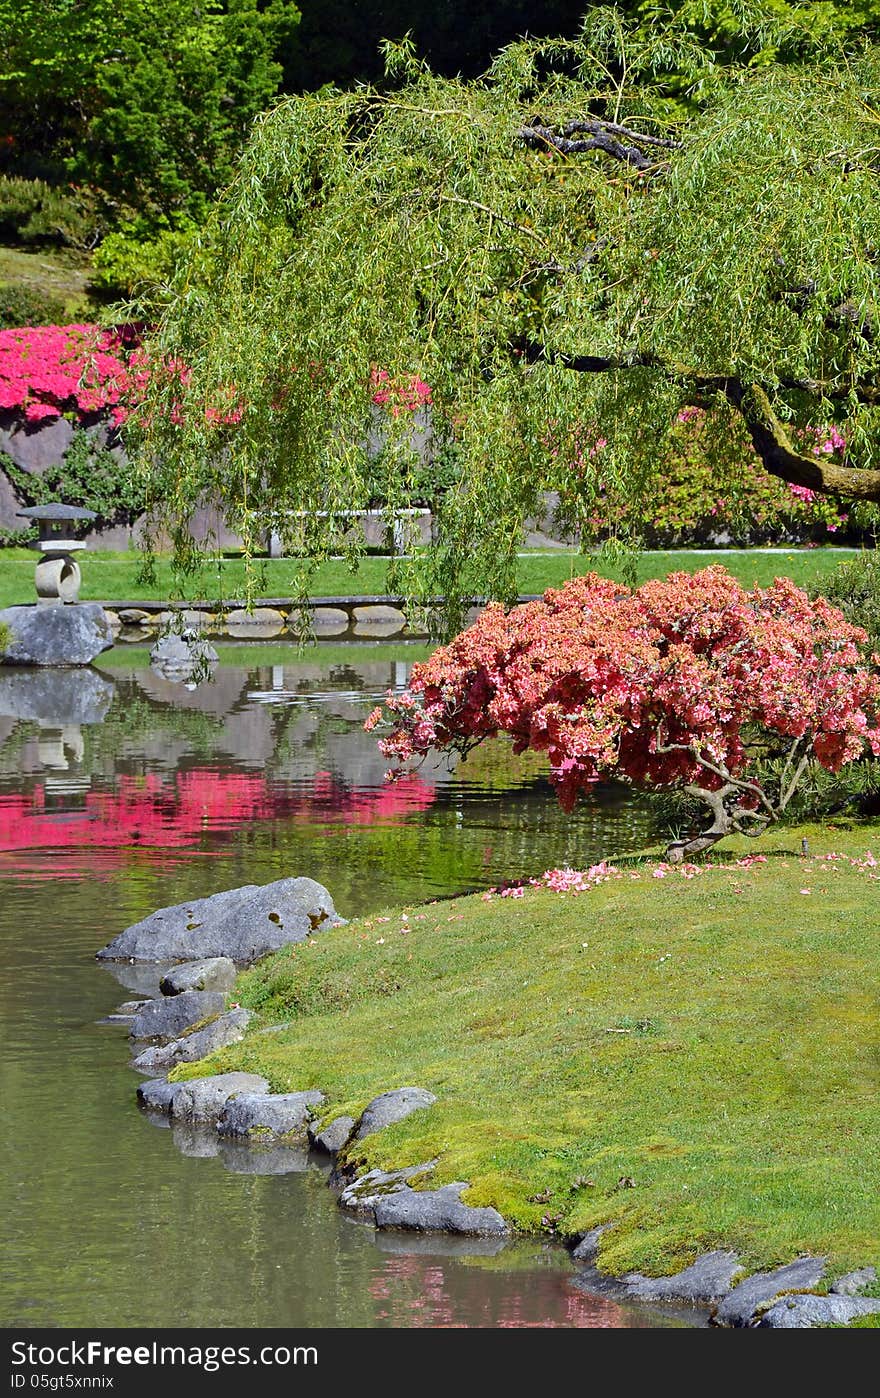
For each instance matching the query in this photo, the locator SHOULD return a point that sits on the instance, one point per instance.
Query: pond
(121, 792)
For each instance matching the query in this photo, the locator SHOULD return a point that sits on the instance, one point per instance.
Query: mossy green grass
(691, 1059)
(114, 577)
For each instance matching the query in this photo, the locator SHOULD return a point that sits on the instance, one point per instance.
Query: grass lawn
(112, 577)
(692, 1058)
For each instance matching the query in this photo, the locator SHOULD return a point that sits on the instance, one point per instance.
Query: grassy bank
(110, 577)
(693, 1058)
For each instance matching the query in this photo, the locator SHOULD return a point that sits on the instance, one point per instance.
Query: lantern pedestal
(57, 576)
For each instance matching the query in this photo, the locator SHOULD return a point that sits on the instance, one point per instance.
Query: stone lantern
(57, 576)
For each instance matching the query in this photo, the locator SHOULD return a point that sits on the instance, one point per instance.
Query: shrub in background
(854, 587)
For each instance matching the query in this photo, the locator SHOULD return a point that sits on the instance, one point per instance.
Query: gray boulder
(241, 923)
(204, 1099)
(739, 1307)
(804, 1312)
(166, 1019)
(587, 1247)
(56, 635)
(437, 1211)
(182, 657)
(56, 697)
(212, 973)
(362, 1195)
(218, 1033)
(332, 1137)
(707, 1279)
(253, 1114)
(393, 1106)
(854, 1282)
(158, 1094)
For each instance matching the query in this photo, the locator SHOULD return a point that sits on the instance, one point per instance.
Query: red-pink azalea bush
(77, 371)
(668, 686)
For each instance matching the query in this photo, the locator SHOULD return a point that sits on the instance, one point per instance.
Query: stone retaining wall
(333, 618)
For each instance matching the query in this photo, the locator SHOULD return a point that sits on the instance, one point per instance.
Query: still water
(120, 792)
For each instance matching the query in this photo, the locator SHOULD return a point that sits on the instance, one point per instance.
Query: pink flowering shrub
(662, 687)
(399, 395)
(72, 370)
(697, 499)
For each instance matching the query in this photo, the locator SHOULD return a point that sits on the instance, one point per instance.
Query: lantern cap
(57, 512)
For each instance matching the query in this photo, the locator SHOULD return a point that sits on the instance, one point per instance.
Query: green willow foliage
(549, 295)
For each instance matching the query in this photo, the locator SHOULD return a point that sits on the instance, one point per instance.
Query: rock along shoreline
(202, 944)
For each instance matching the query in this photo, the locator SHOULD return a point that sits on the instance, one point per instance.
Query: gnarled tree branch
(769, 435)
(586, 134)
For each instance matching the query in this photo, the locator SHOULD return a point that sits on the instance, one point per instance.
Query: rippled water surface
(121, 792)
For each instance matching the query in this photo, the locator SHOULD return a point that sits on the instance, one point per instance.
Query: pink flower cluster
(655, 686)
(399, 395)
(50, 370)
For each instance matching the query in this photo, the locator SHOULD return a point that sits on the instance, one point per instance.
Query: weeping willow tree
(566, 257)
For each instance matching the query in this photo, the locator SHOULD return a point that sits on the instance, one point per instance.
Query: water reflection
(138, 766)
(167, 794)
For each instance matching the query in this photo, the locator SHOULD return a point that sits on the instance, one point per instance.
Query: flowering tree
(670, 686)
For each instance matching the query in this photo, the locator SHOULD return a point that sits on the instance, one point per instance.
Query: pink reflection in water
(419, 1293)
(156, 812)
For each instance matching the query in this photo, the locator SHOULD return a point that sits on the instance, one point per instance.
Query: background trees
(573, 260)
(146, 103)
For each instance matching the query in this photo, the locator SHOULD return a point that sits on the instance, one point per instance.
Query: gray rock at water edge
(393, 1106)
(56, 635)
(854, 1282)
(805, 1312)
(219, 1033)
(211, 973)
(182, 622)
(56, 697)
(165, 1019)
(204, 1099)
(332, 1137)
(253, 1114)
(707, 1279)
(241, 923)
(158, 1094)
(587, 1248)
(180, 657)
(136, 616)
(260, 619)
(378, 621)
(437, 1211)
(739, 1308)
(362, 1195)
(328, 621)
